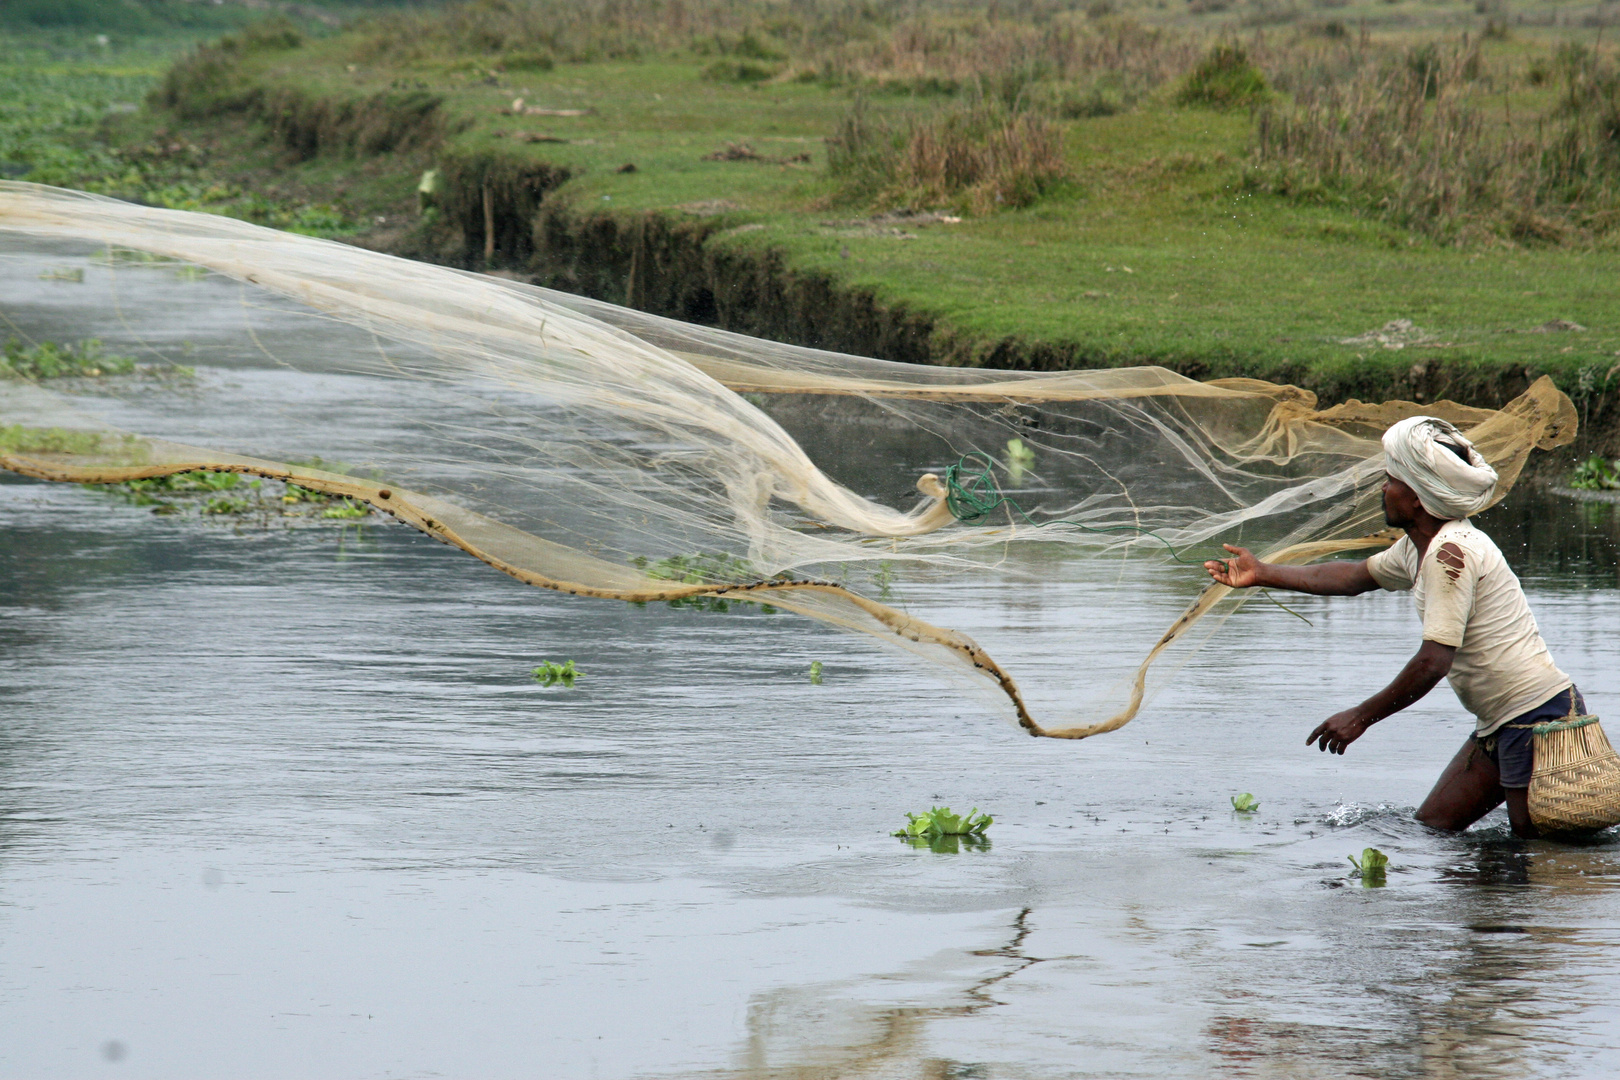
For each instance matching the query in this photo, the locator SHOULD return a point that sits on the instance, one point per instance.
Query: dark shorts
(1513, 748)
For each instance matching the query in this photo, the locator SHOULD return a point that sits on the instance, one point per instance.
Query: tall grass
(978, 157)
(945, 46)
(1428, 140)
(1418, 134)
(1065, 62)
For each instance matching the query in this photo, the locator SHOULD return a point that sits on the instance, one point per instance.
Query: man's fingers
(1233, 550)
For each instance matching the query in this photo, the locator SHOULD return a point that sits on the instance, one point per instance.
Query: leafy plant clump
(153, 491)
(1245, 803)
(48, 360)
(815, 673)
(227, 494)
(1371, 866)
(1596, 474)
(939, 821)
(296, 495)
(551, 673)
(1225, 79)
(704, 568)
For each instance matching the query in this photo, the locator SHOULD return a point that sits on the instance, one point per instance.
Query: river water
(285, 802)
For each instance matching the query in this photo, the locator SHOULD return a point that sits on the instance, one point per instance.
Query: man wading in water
(1477, 628)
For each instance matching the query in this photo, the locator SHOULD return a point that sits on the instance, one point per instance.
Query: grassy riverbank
(809, 172)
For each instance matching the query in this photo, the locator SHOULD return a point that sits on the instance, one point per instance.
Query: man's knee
(1439, 819)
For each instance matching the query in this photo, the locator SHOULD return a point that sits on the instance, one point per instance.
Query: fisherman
(1478, 631)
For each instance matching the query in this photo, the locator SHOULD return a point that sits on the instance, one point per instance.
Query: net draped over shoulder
(609, 453)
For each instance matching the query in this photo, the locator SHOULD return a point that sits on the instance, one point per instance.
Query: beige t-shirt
(1468, 598)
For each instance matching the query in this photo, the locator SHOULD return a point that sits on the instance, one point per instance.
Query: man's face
(1401, 503)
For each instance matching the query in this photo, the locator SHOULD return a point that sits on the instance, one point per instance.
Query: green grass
(1157, 248)
(74, 84)
(48, 360)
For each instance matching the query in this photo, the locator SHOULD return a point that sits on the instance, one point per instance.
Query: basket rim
(1567, 724)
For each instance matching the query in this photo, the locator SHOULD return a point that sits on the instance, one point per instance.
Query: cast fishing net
(608, 453)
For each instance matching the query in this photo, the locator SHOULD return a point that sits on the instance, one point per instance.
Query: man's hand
(1240, 573)
(1417, 678)
(1340, 730)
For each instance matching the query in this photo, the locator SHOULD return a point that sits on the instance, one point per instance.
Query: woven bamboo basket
(1576, 783)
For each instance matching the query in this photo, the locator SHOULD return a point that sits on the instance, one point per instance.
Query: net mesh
(609, 453)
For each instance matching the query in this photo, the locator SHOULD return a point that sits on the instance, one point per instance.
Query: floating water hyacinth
(1371, 866)
(939, 821)
(815, 673)
(550, 673)
(1245, 803)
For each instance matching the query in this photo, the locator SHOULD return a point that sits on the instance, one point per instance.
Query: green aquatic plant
(939, 821)
(216, 494)
(1595, 474)
(295, 494)
(49, 360)
(17, 439)
(153, 490)
(884, 579)
(347, 508)
(550, 673)
(1019, 459)
(225, 504)
(1245, 803)
(815, 673)
(705, 568)
(117, 256)
(1371, 867)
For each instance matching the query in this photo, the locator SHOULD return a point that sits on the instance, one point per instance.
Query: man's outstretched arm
(1417, 678)
(1324, 579)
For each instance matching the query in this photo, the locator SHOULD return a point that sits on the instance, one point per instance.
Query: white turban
(1419, 455)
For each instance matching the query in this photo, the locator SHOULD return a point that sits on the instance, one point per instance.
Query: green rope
(974, 496)
(1559, 725)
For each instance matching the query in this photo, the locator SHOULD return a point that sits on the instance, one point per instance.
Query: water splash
(1346, 815)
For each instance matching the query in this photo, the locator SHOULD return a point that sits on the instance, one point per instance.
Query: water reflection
(1556, 541)
(948, 845)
